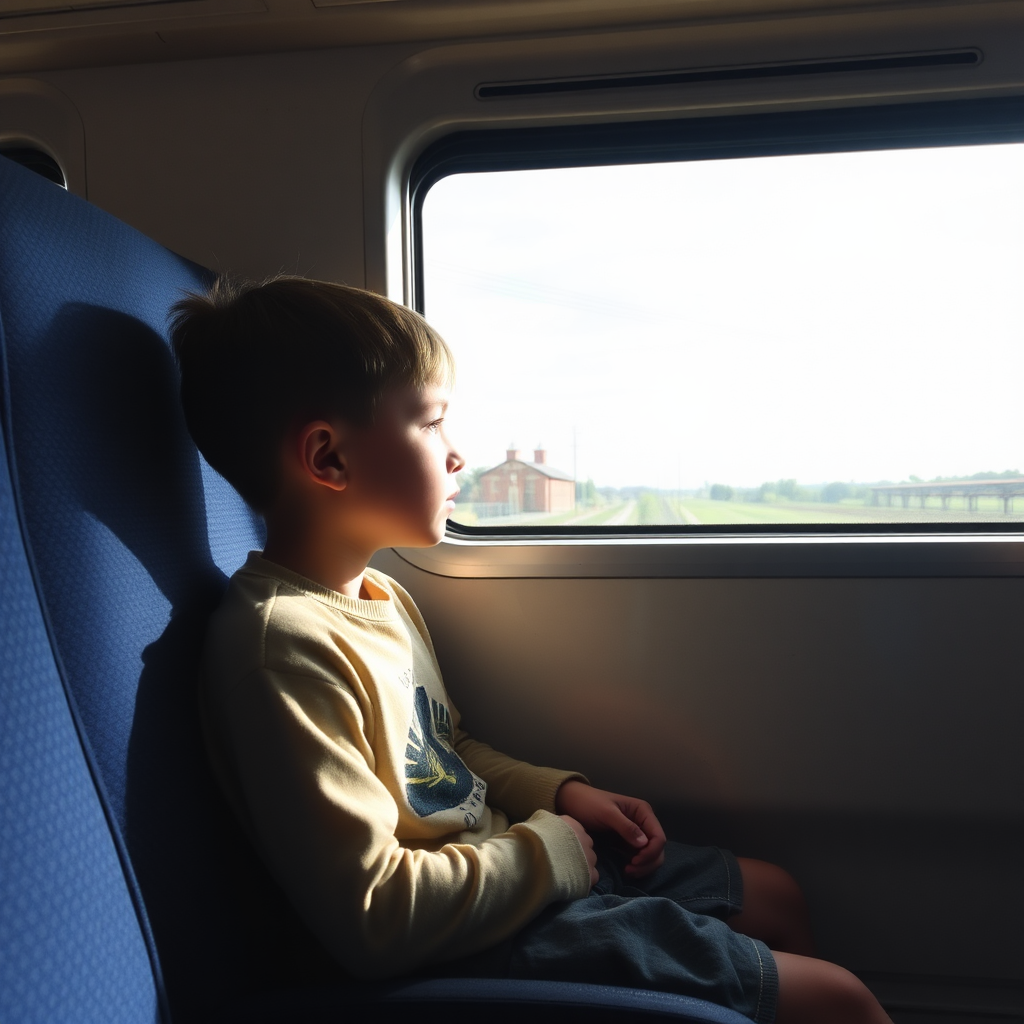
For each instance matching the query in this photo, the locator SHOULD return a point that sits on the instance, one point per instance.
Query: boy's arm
(294, 756)
(518, 788)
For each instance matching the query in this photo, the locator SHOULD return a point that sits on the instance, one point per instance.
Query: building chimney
(540, 456)
(512, 454)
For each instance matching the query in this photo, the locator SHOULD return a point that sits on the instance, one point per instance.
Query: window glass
(833, 338)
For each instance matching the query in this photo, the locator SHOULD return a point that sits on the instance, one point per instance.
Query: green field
(738, 513)
(720, 513)
(651, 509)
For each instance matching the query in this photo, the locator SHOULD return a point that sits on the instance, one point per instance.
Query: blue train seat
(127, 892)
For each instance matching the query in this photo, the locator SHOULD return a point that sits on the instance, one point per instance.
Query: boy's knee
(848, 989)
(774, 883)
(811, 991)
(774, 908)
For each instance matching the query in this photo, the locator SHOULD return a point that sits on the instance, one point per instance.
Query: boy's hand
(587, 843)
(600, 811)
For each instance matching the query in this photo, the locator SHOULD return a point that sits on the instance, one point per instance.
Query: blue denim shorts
(665, 932)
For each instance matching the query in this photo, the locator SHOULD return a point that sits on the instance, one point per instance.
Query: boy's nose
(455, 461)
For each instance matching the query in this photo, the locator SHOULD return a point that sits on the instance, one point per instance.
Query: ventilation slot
(841, 65)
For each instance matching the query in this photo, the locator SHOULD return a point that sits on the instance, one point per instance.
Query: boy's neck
(332, 566)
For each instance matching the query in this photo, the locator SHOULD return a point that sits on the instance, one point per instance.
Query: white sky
(850, 316)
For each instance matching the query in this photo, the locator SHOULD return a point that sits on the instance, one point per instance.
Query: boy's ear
(321, 454)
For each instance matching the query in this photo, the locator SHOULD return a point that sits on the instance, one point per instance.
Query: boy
(402, 842)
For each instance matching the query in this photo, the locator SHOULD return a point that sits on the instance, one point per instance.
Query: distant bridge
(1006, 488)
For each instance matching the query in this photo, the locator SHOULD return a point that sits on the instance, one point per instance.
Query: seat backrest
(72, 944)
(129, 537)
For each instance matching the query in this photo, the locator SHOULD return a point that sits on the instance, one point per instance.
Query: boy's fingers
(633, 820)
(647, 820)
(651, 853)
(629, 830)
(647, 859)
(642, 864)
(640, 814)
(638, 871)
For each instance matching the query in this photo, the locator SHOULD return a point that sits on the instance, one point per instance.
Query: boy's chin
(440, 535)
(426, 540)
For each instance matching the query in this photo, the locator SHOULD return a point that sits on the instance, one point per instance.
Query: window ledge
(723, 556)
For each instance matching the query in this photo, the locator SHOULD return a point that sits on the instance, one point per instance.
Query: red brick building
(528, 486)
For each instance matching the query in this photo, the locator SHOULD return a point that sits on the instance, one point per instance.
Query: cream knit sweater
(388, 826)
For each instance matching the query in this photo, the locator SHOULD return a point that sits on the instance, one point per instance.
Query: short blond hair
(257, 360)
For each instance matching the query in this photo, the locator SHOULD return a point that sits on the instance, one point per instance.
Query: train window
(35, 160)
(808, 322)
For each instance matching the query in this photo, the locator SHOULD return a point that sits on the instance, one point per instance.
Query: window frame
(821, 130)
(37, 159)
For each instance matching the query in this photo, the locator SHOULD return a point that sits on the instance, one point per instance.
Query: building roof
(540, 467)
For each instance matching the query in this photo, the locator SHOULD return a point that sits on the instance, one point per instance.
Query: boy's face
(402, 469)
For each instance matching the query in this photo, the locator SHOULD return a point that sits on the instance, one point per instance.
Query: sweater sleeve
(295, 756)
(518, 788)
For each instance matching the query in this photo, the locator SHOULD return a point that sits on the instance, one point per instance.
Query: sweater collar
(382, 607)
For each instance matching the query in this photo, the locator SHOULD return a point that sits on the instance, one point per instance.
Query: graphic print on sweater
(435, 777)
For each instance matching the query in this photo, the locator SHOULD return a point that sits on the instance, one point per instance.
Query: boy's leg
(646, 942)
(628, 933)
(810, 990)
(815, 991)
(774, 909)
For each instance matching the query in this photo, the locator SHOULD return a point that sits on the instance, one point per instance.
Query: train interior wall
(865, 733)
